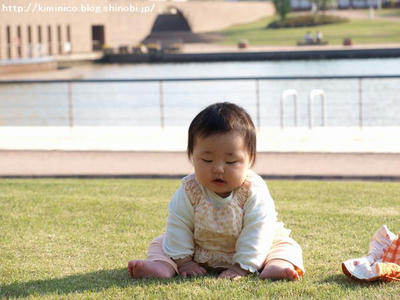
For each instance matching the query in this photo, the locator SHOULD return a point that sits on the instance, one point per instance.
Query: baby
(222, 217)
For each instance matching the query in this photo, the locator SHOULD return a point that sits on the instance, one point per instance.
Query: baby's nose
(218, 168)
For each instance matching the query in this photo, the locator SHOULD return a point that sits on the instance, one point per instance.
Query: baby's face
(221, 162)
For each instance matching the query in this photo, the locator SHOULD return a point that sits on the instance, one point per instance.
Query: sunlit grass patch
(361, 31)
(388, 12)
(63, 239)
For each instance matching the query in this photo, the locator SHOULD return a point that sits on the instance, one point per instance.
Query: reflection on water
(138, 104)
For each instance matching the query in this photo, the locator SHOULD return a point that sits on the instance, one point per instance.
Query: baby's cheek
(239, 177)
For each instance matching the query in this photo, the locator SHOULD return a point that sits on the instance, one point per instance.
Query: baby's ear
(251, 161)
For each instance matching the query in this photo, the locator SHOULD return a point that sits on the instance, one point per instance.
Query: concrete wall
(121, 27)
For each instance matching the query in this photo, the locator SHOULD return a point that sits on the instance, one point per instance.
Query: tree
(321, 4)
(282, 8)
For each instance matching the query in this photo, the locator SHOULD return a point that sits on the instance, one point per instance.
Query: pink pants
(284, 248)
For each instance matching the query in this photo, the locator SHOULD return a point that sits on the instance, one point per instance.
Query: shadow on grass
(88, 282)
(346, 283)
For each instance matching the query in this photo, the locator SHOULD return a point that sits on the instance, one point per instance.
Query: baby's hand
(190, 268)
(234, 273)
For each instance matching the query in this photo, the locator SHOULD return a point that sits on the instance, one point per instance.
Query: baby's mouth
(219, 180)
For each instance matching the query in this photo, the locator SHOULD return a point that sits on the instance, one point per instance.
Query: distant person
(67, 48)
(319, 37)
(308, 38)
(222, 217)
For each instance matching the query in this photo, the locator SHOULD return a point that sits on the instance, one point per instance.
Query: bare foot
(148, 268)
(279, 269)
(234, 272)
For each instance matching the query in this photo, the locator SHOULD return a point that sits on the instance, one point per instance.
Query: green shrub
(306, 20)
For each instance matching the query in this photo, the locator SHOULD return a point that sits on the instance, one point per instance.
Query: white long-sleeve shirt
(222, 231)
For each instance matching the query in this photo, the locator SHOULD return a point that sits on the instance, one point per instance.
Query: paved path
(135, 151)
(376, 166)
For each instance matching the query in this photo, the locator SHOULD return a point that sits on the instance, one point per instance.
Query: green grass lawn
(388, 12)
(72, 239)
(375, 31)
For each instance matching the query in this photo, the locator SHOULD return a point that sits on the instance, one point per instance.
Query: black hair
(221, 118)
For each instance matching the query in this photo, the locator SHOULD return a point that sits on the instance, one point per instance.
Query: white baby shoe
(381, 240)
(363, 268)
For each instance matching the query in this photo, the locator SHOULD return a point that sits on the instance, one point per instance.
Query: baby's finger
(232, 275)
(236, 277)
(224, 275)
(130, 269)
(200, 271)
(196, 273)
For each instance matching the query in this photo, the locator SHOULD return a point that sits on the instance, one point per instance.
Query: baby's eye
(231, 162)
(206, 160)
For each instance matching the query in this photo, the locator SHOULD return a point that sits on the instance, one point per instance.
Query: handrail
(201, 79)
(285, 94)
(258, 90)
(313, 94)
